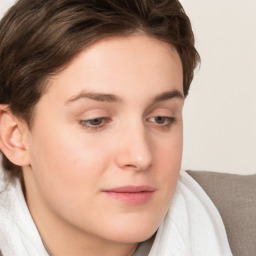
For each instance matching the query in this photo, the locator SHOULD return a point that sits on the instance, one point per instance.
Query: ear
(13, 137)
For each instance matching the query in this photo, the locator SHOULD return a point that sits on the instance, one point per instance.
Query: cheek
(61, 150)
(168, 156)
(67, 171)
(65, 164)
(169, 149)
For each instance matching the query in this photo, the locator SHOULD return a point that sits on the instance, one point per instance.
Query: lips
(132, 195)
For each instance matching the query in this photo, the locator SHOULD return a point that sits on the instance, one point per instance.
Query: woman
(91, 131)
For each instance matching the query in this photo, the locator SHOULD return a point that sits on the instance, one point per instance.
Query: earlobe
(12, 135)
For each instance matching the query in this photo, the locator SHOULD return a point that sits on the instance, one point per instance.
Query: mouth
(132, 195)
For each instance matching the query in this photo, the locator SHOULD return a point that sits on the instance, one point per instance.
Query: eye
(162, 121)
(94, 123)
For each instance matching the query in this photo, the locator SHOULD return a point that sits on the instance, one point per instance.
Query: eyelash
(168, 122)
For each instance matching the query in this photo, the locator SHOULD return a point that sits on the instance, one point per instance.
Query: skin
(71, 160)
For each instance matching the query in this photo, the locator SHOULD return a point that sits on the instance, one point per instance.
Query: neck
(95, 252)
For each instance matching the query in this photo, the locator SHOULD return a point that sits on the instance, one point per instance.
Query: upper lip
(131, 189)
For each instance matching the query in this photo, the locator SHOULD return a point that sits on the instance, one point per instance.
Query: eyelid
(92, 112)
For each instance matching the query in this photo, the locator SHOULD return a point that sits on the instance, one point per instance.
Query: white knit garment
(192, 227)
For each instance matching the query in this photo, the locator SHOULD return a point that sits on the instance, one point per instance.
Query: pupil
(96, 121)
(160, 119)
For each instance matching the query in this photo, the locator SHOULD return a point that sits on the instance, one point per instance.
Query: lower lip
(131, 198)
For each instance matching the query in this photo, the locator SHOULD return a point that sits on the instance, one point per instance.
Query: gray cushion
(235, 198)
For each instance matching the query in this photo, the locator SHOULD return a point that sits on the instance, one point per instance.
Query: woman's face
(106, 143)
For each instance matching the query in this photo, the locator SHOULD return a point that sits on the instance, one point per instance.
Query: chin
(135, 236)
(134, 232)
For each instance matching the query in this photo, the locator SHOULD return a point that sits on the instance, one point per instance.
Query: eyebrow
(111, 98)
(168, 95)
(101, 97)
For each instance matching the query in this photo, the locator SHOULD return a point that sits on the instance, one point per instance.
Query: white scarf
(192, 226)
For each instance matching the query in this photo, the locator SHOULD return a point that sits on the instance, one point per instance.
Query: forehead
(121, 65)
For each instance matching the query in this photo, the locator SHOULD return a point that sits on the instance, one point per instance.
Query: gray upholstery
(235, 198)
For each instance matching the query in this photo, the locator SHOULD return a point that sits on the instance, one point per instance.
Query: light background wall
(220, 111)
(4, 5)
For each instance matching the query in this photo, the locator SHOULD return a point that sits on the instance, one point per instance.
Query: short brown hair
(40, 37)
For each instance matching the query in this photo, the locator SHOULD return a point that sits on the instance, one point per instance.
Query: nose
(134, 150)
